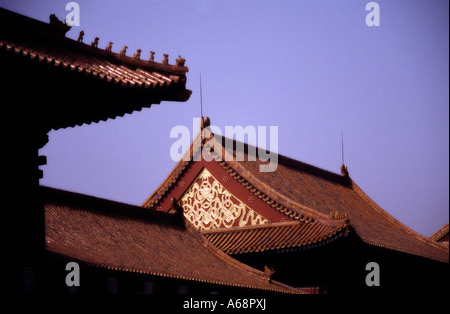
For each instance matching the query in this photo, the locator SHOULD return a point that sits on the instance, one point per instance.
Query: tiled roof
(276, 236)
(307, 193)
(327, 193)
(123, 237)
(138, 80)
(100, 64)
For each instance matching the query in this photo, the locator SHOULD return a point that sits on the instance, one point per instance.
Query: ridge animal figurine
(95, 42)
(80, 37)
(137, 55)
(123, 51)
(109, 47)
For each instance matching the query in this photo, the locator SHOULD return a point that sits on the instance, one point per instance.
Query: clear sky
(312, 68)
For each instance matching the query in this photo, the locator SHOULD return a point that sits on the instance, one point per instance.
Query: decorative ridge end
(344, 170)
(268, 272)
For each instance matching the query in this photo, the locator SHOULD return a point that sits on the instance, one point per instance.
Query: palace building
(214, 225)
(314, 229)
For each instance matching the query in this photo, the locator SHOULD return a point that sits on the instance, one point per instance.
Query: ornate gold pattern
(208, 205)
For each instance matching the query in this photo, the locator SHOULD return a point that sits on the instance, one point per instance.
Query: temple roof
(305, 193)
(122, 237)
(109, 80)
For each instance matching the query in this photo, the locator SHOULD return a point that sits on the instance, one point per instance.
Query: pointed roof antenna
(205, 122)
(201, 97)
(344, 171)
(201, 108)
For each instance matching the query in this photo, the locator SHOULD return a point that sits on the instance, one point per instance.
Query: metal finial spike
(201, 97)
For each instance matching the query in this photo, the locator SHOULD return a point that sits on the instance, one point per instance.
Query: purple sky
(313, 68)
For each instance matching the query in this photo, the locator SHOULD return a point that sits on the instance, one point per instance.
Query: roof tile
(123, 237)
(274, 236)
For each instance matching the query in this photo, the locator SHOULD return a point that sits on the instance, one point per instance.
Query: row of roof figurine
(180, 61)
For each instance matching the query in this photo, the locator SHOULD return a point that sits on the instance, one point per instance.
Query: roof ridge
(440, 233)
(251, 227)
(272, 200)
(128, 60)
(315, 169)
(405, 228)
(275, 199)
(108, 206)
(335, 223)
(39, 56)
(29, 28)
(239, 240)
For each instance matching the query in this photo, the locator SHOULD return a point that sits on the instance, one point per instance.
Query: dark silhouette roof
(80, 82)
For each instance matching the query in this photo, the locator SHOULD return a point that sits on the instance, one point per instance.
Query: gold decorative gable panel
(208, 205)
